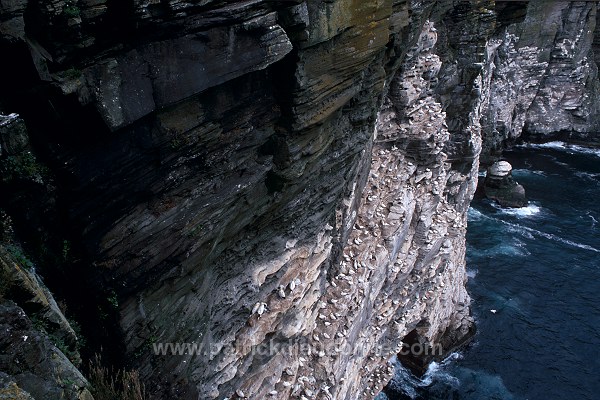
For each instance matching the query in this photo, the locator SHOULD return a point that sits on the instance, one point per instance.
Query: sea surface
(535, 283)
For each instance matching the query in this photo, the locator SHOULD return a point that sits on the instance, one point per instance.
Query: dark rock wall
(293, 172)
(38, 344)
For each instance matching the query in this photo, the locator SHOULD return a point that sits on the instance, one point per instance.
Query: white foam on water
(549, 145)
(404, 381)
(572, 148)
(594, 220)
(525, 231)
(381, 396)
(530, 233)
(584, 150)
(521, 248)
(588, 175)
(474, 214)
(507, 249)
(437, 372)
(528, 172)
(529, 211)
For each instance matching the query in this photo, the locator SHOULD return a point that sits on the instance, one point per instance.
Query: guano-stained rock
(282, 187)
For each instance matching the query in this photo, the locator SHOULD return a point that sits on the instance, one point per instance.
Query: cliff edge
(274, 194)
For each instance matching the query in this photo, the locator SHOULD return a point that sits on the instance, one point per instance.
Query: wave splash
(529, 232)
(529, 211)
(562, 146)
(446, 380)
(520, 229)
(406, 383)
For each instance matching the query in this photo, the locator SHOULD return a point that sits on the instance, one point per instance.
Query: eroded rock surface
(545, 75)
(33, 328)
(283, 185)
(500, 186)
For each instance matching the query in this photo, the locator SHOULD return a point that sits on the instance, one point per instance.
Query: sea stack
(500, 186)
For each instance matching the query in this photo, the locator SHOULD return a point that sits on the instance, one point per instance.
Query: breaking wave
(529, 211)
(526, 231)
(562, 146)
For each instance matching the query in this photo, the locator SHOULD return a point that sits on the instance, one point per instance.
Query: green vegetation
(113, 299)
(39, 323)
(176, 143)
(71, 10)
(20, 258)
(23, 166)
(66, 250)
(102, 314)
(146, 346)
(6, 229)
(71, 352)
(114, 385)
(196, 231)
(73, 73)
(77, 329)
(69, 384)
(60, 344)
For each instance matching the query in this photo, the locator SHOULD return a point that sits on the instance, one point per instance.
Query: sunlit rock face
(283, 185)
(545, 75)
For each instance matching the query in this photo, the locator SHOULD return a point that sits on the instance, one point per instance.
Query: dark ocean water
(539, 269)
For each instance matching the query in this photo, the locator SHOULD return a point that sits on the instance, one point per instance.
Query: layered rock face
(283, 185)
(545, 74)
(38, 344)
(39, 347)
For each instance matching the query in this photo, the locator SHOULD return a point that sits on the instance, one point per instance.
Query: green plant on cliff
(176, 143)
(19, 257)
(68, 383)
(66, 250)
(196, 231)
(71, 10)
(113, 299)
(71, 352)
(148, 345)
(107, 384)
(23, 166)
(73, 73)
(60, 344)
(6, 229)
(39, 323)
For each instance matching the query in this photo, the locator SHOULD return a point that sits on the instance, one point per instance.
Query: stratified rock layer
(545, 75)
(282, 186)
(32, 330)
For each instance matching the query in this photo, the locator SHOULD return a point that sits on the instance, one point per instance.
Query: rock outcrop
(545, 75)
(36, 340)
(500, 186)
(279, 189)
(39, 347)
